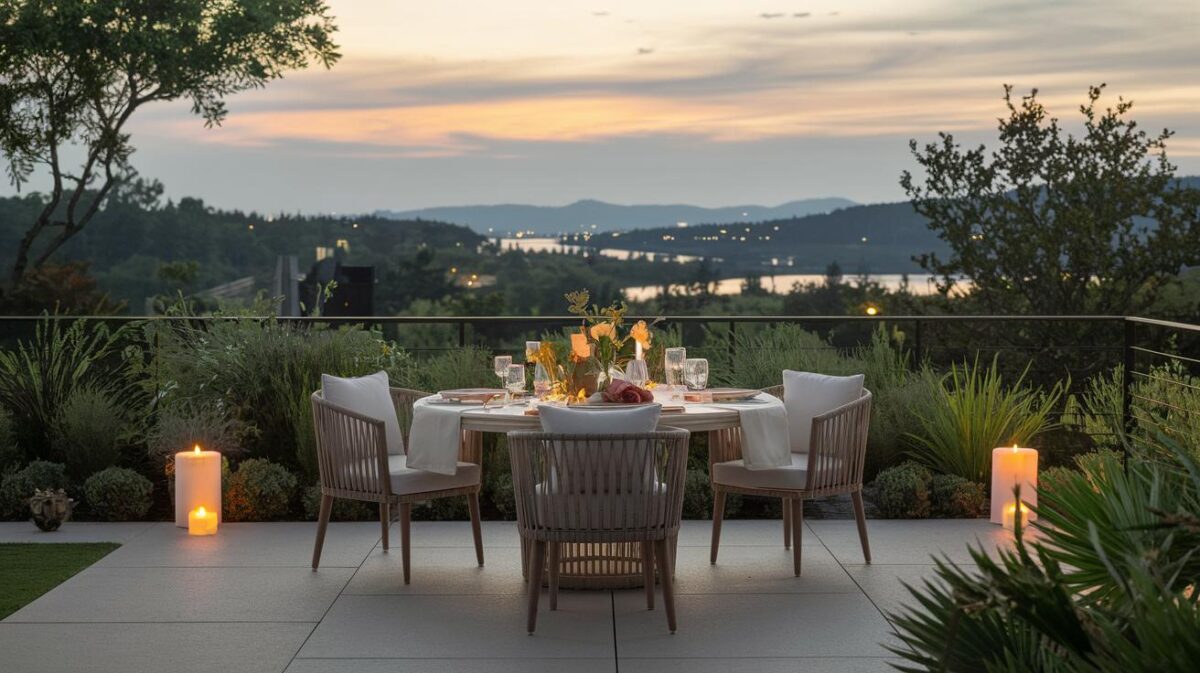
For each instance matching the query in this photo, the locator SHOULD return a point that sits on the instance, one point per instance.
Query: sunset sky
(700, 101)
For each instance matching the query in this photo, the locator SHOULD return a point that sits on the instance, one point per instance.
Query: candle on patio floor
(1010, 515)
(1013, 465)
(197, 484)
(202, 522)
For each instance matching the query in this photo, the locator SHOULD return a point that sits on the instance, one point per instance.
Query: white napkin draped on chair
(764, 423)
(435, 436)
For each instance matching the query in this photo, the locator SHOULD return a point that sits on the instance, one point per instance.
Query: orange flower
(604, 329)
(641, 334)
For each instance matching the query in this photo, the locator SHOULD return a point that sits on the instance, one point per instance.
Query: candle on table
(197, 483)
(638, 352)
(202, 522)
(1010, 515)
(1012, 466)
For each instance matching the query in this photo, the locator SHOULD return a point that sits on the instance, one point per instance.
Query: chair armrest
(776, 391)
(352, 455)
(838, 445)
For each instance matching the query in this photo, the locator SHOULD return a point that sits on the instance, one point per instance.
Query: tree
(73, 72)
(1050, 223)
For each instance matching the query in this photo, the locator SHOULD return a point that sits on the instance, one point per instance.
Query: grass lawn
(30, 570)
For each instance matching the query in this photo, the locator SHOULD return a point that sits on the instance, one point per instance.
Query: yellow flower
(641, 334)
(604, 329)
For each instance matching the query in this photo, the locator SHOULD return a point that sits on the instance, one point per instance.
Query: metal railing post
(1129, 362)
(731, 339)
(462, 333)
(918, 346)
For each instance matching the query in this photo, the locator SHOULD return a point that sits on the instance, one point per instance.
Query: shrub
(1174, 413)
(1052, 479)
(956, 498)
(17, 487)
(10, 452)
(902, 492)
(181, 426)
(259, 491)
(974, 413)
(118, 494)
(461, 368)
(343, 509)
(895, 417)
(39, 376)
(88, 431)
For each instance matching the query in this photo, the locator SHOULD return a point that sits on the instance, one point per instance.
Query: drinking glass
(695, 373)
(531, 350)
(514, 381)
(541, 381)
(636, 373)
(500, 365)
(673, 359)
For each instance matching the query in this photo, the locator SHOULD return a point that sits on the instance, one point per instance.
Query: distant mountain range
(590, 215)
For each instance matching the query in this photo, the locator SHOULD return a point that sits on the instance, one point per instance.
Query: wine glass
(531, 350)
(500, 366)
(541, 381)
(673, 359)
(636, 373)
(695, 373)
(514, 380)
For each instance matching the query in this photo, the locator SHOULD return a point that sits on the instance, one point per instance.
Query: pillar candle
(638, 351)
(1010, 515)
(197, 484)
(202, 522)
(1012, 465)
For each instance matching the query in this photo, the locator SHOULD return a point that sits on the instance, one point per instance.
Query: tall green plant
(39, 375)
(974, 412)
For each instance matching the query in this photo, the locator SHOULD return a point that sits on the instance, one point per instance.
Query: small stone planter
(50, 508)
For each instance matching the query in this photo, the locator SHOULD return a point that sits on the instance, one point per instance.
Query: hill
(590, 215)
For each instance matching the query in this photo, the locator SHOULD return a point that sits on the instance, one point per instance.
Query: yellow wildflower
(604, 329)
(641, 334)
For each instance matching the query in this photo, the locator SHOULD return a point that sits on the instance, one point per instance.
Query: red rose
(624, 392)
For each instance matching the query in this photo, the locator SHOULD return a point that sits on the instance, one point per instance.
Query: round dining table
(605, 565)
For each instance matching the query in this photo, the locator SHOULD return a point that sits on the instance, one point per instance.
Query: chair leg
(554, 549)
(473, 506)
(797, 506)
(526, 546)
(385, 522)
(648, 572)
(861, 518)
(718, 516)
(787, 525)
(668, 584)
(405, 535)
(536, 566)
(322, 524)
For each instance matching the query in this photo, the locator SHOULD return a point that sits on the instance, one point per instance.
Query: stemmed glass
(531, 350)
(500, 365)
(636, 373)
(673, 359)
(695, 373)
(514, 381)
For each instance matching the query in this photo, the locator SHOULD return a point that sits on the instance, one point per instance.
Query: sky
(708, 102)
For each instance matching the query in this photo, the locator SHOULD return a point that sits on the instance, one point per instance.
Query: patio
(246, 600)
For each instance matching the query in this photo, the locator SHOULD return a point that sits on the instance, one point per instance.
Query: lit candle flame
(201, 512)
(196, 449)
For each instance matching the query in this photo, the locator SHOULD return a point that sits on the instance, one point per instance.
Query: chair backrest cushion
(806, 394)
(600, 420)
(369, 396)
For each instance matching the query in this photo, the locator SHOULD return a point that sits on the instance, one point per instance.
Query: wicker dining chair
(354, 464)
(837, 452)
(597, 489)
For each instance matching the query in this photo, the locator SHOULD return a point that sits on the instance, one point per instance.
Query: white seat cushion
(369, 396)
(406, 481)
(793, 477)
(806, 395)
(600, 420)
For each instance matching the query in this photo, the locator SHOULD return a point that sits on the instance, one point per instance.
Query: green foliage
(343, 509)
(259, 491)
(16, 488)
(73, 72)
(89, 431)
(181, 426)
(975, 413)
(10, 451)
(1051, 478)
(956, 498)
(1108, 586)
(39, 375)
(460, 368)
(261, 374)
(1166, 402)
(1052, 224)
(903, 491)
(118, 494)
